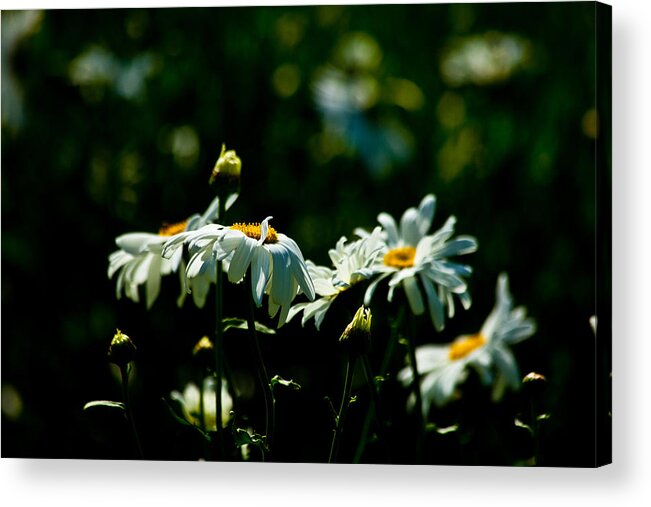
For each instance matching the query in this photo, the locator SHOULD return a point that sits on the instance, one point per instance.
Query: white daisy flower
(139, 260)
(190, 401)
(353, 262)
(443, 367)
(277, 265)
(418, 261)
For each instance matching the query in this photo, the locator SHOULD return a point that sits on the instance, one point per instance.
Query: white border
(627, 482)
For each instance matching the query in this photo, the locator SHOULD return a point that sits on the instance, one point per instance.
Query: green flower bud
(227, 168)
(122, 350)
(534, 383)
(357, 334)
(203, 352)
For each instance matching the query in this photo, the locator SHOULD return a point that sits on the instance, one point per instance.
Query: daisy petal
(435, 305)
(260, 272)
(413, 295)
(390, 227)
(426, 213)
(241, 260)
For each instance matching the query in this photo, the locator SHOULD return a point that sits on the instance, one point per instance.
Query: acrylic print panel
(346, 234)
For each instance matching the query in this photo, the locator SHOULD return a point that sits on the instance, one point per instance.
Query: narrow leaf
(104, 403)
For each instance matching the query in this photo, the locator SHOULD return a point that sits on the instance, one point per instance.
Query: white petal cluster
(443, 368)
(190, 401)
(139, 261)
(277, 268)
(352, 262)
(429, 269)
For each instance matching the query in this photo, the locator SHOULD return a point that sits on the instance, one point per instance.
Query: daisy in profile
(352, 263)
(419, 262)
(139, 260)
(277, 267)
(190, 401)
(444, 367)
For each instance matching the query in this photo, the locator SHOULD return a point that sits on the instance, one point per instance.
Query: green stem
(124, 371)
(343, 409)
(419, 398)
(386, 361)
(219, 346)
(263, 376)
(535, 430)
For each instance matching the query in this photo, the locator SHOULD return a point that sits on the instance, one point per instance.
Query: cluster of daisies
(407, 255)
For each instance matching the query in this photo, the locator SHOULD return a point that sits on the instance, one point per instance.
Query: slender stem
(375, 397)
(263, 376)
(219, 345)
(417, 393)
(535, 430)
(343, 409)
(124, 371)
(386, 360)
(202, 410)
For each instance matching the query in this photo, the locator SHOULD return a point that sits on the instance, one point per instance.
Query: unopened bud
(203, 345)
(358, 333)
(122, 350)
(534, 382)
(227, 168)
(203, 352)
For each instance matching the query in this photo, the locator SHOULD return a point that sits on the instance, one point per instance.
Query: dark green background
(88, 164)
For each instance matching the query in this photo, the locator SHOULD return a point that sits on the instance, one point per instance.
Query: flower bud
(534, 383)
(357, 334)
(227, 168)
(203, 352)
(122, 350)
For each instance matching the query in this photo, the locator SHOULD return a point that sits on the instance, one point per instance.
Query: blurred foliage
(113, 119)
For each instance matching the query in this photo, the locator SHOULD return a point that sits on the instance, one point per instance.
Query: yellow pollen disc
(402, 257)
(172, 229)
(461, 347)
(252, 230)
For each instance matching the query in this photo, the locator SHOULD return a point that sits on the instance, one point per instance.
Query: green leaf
(277, 379)
(104, 403)
(442, 431)
(243, 437)
(543, 417)
(520, 424)
(236, 323)
(183, 421)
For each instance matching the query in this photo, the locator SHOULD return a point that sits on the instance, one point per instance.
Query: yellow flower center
(252, 230)
(463, 346)
(402, 257)
(172, 229)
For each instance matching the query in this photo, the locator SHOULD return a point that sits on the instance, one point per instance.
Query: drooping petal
(370, 290)
(461, 245)
(136, 242)
(230, 240)
(116, 260)
(434, 304)
(413, 295)
(153, 280)
(260, 272)
(506, 364)
(316, 307)
(297, 266)
(241, 260)
(281, 286)
(200, 287)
